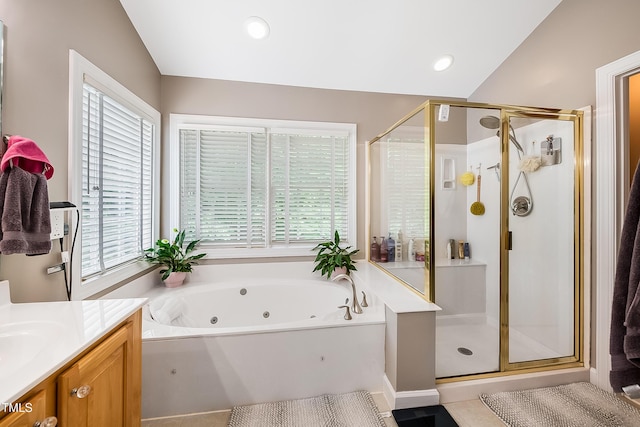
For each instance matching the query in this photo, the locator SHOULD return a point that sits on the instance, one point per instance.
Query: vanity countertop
(37, 339)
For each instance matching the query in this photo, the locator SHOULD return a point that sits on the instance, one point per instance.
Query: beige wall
(38, 36)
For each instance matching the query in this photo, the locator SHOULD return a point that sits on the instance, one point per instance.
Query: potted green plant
(174, 258)
(332, 257)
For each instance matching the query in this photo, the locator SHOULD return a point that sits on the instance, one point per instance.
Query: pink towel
(25, 222)
(25, 154)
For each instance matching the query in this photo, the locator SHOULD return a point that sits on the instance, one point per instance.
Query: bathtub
(244, 341)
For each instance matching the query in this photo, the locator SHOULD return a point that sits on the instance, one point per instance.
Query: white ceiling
(362, 45)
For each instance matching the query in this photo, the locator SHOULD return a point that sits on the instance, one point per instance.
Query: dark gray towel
(25, 222)
(624, 343)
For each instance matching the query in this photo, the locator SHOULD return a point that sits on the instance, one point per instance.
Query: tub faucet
(355, 305)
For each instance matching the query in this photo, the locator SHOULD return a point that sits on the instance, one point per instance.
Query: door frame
(612, 172)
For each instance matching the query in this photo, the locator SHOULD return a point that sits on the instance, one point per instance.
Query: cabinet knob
(81, 392)
(47, 422)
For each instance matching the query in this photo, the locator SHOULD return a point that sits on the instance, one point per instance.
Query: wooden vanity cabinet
(103, 387)
(100, 387)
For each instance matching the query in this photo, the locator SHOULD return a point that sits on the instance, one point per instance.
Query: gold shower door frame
(577, 359)
(429, 109)
(506, 113)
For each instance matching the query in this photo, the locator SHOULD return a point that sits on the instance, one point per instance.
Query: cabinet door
(97, 390)
(28, 413)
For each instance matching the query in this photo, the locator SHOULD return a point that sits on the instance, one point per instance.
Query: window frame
(79, 70)
(178, 122)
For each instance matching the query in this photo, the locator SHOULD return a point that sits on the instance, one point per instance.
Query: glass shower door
(542, 245)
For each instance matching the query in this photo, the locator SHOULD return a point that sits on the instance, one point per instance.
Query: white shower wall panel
(483, 231)
(450, 210)
(541, 263)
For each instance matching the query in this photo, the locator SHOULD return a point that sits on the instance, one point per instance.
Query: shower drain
(465, 351)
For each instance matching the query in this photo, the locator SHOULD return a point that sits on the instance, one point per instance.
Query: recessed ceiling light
(443, 63)
(257, 27)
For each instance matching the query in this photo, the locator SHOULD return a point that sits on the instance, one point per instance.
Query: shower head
(492, 122)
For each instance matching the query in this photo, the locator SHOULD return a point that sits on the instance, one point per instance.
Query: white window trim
(189, 121)
(79, 70)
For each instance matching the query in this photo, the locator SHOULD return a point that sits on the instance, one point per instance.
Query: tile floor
(483, 341)
(471, 413)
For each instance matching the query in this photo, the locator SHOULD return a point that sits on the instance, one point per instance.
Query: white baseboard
(408, 399)
(593, 376)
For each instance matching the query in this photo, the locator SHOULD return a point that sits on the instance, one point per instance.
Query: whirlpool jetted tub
(212, 346)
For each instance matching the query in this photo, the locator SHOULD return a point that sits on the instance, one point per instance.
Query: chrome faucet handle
(347, 314)
(364, 300)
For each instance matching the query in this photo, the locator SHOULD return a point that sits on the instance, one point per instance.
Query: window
(405, 187)
(261, 187)
(114, 139)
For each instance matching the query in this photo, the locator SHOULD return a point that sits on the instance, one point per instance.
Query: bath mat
(572, 405)
(425, 416)
(329, 410)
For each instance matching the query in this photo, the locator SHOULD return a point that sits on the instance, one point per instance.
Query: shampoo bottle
(412, 250)
(461, 249)
(391, 249)
(399, 247)
(375, 250)
(384, 251)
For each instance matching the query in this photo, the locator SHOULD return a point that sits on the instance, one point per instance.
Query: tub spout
(355, 305)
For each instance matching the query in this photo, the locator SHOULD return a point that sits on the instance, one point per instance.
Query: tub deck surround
(393, 294)
(409, 375)
(42, 337)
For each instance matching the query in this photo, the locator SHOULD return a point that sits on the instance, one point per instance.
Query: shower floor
(471, 346)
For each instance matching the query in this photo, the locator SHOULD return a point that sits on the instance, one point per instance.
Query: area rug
(355, 409)
(572, 405)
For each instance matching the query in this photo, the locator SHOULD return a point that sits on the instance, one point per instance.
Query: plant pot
(175, 279)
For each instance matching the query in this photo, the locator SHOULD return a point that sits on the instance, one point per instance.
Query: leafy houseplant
(331, 256)
(172, 255)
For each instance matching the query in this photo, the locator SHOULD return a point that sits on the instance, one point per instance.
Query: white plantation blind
(222, 186)
(405, 188)
(117, 187)
(309, 182)
(264, 188)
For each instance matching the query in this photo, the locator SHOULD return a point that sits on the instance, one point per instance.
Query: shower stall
(484, 207)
